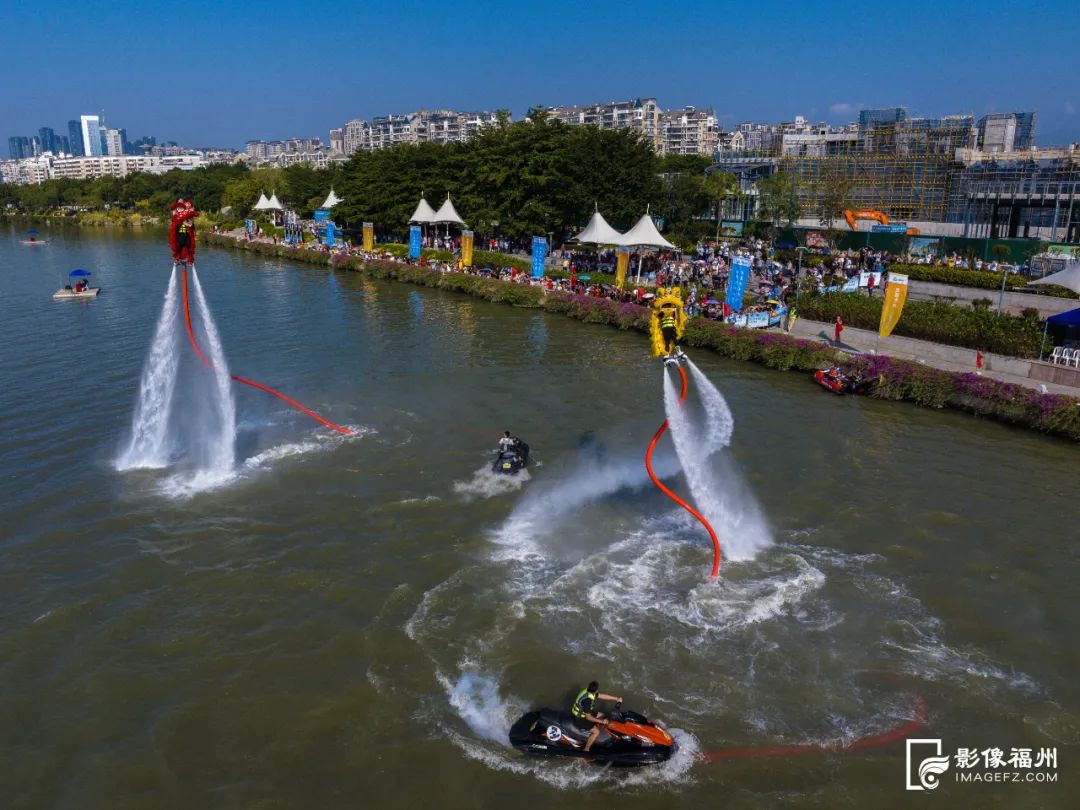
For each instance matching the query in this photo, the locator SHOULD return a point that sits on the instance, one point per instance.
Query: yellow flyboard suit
(667, 322)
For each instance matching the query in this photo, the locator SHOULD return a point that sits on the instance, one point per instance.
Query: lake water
(355, 621)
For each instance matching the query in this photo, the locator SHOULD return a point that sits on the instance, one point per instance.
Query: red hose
(898, 733)
(660, 485)
(253, 384)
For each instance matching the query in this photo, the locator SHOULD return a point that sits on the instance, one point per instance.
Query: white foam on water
(717, 489)
(148, 444)
(486, 483)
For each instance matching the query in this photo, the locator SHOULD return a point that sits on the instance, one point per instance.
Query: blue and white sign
(414, 241)
(539, 256)
(740, 277)
(331, 232)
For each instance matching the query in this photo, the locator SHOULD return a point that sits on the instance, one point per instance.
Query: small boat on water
(31, 239)
(835, 380)
(79, 290)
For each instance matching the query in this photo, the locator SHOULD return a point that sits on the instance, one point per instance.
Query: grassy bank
(894, 379)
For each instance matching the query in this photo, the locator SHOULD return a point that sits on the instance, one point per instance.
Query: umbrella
(772, 301)
(712, 302)
(32, 232)
(79, 273)
(584, 278)
(649, 295)
(1069, 278)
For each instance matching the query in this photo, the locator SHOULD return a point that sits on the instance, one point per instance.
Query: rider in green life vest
(583, 709)
(667, 326)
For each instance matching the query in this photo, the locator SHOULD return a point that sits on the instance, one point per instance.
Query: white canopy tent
(263, 203)
(332, 200)
(1069, 278)
(273, 204)
(644, 234)
(446, 215)
(598, 232)
(424, 213)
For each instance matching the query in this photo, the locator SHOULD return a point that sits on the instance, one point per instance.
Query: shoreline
(898, 380)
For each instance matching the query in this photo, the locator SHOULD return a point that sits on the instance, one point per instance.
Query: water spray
(663, 488)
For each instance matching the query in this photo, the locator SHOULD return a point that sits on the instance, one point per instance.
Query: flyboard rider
(667, 322)
(182, 232)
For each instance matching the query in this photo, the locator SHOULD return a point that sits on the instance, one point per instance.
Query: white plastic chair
(1055, 356)
(1076, 358)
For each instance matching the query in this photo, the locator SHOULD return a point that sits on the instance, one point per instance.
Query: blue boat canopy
(1070, 318)
(32, 231)
(78, 273)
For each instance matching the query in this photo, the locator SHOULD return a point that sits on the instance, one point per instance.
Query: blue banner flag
(331, 232)
(539, 254)
(736, 286)
(414, 241)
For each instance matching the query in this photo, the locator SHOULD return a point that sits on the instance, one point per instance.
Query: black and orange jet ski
(510, 461)
(629, 740)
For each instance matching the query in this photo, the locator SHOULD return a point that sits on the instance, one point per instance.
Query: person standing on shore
(837, 329)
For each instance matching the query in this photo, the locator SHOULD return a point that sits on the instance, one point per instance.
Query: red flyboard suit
(182, 232)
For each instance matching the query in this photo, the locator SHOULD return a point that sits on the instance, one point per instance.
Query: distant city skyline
(251, 75)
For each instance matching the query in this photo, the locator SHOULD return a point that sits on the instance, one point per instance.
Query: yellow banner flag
(623, 263)
(895, 296)
(369, 236)
(467, 238)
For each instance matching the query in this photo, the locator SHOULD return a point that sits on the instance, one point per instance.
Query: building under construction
(971, 178)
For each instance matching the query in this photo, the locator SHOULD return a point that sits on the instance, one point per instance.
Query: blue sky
(220, 73)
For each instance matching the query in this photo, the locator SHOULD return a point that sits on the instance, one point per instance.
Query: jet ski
(509, 461)
(630, 740)
(835, 380)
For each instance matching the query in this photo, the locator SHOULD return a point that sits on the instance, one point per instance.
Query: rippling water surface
(356, 621)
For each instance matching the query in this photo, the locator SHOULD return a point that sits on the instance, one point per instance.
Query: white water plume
(215, 438)
(718, 490)
(149, 445)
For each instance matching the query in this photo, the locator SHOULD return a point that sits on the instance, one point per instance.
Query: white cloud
(1069, 108)
(841, 108)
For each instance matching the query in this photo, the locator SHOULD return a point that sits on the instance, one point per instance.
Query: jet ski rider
(583, 709)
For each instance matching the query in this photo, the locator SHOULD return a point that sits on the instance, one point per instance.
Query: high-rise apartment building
(75, 141)
(422, 126)
(642, 114)
(48, 139)
(688, 131)
(114, 143)
(91, 136)
(19, 147)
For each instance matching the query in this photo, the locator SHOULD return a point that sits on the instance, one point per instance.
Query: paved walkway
(863, 341)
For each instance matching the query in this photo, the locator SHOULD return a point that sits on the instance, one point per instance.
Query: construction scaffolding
(920, 170)
(906, 169)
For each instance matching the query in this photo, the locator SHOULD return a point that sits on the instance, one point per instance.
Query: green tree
(779, 199)
(834, 197)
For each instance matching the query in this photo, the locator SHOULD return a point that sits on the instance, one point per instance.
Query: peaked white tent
(644, 234)
(332, 200)
(446, 215)
(424, 213)
(1069, 278)
(598, 232)
(273, 203)
(263, 203)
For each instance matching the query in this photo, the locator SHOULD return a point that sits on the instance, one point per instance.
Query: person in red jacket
(837, 329)
(182, 232)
